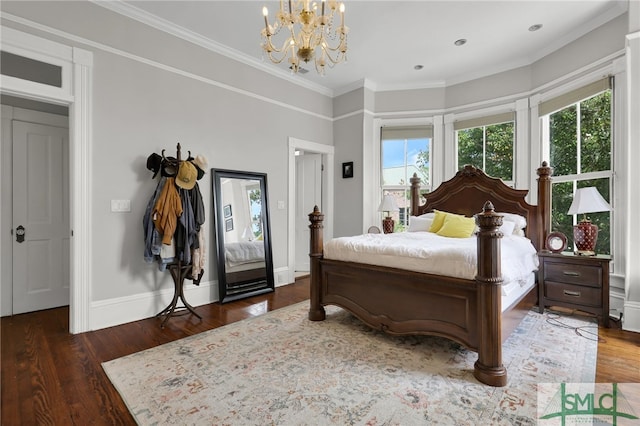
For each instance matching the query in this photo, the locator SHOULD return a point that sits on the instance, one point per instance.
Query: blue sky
(393, 155)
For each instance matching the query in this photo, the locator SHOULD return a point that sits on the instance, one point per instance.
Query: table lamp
(585, 234)
(387, 205)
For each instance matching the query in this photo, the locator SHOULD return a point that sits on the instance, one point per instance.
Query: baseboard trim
(631, 317)
(121, 310)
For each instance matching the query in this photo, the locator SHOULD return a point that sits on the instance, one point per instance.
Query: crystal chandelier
(310, 34)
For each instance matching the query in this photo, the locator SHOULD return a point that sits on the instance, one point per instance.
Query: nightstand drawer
(573, 274)
(575, 294)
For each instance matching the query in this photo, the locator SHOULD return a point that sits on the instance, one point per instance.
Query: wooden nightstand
(577, 282)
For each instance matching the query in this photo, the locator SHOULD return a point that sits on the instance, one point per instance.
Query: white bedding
(244, 252)
(430, 253)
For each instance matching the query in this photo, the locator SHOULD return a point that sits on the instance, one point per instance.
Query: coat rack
(179, 272)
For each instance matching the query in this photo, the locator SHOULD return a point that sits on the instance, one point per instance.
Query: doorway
(297, 217)
(36, 137)
(72, 90)
(308, 194)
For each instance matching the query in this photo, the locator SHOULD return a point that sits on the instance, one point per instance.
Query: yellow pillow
(457, 226)
(438, 220)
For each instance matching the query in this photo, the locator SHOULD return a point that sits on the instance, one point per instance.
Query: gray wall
(212, 105)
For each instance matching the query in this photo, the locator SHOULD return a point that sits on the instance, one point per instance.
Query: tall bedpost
(544, 203)
(489, 368)
(316, 310)
(415, 194)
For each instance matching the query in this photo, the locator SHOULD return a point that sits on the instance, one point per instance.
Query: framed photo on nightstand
(556, 242)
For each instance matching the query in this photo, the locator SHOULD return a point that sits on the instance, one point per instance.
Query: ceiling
(387, 39)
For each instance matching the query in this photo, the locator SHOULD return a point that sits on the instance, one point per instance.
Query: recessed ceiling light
(535, 27)
(418, 67)
(460, 42)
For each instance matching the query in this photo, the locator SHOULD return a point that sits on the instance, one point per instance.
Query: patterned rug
(280, 368)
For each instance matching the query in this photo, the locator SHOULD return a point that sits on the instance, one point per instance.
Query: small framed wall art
(347, 170)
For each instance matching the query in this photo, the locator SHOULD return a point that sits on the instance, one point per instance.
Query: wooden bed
(467, 311)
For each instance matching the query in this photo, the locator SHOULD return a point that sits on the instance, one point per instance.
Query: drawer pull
(571, 273)
(571, 293)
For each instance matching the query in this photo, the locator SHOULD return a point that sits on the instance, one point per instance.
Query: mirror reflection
(242, 234)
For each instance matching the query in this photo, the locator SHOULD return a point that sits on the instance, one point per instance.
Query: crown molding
(160, 24)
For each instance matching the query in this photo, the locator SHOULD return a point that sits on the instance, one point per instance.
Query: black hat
(153, 163)
(169, 167)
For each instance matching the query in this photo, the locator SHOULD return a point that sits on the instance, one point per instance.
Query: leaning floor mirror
(242, 234)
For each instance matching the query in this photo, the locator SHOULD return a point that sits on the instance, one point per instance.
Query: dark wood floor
(50, 377)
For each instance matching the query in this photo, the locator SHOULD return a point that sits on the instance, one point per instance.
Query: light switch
(280, 205)
(120, 205)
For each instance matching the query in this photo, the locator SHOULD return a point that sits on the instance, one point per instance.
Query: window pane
(595, 133)
(470, 147)
(30, 69)
(393, 162)
(601, 219)
(499, 161)
(561, 198)
(418, 160)
(400, 217)
(563, 138)
(401, 158)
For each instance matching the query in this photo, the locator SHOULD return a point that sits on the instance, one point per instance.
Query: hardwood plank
(38, 354)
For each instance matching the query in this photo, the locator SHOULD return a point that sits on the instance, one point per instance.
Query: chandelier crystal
(312, 35)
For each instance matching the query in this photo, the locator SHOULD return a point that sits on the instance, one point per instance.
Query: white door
(41, 214)
(308, 195)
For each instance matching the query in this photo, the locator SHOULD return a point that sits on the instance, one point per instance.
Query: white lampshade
(247, 234)
(588, 200)
(388, 204)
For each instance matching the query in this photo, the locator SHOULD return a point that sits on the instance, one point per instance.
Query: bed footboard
(404, 302)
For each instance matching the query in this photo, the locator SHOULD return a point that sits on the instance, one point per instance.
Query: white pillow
(419, 224)
(520, 221)
(507, 227)
(429, 215)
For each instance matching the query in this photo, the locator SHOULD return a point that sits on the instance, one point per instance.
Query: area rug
(282, 369)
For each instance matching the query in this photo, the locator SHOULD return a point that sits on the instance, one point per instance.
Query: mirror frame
(227, 294)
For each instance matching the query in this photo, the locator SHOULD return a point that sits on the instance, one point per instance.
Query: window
(487, 143)
(29, 69)
(578, 129)
(405, 151)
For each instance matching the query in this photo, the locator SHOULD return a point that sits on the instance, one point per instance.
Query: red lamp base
(387, 225)
(585, 236)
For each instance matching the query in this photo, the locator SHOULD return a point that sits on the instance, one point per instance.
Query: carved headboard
(470, 188)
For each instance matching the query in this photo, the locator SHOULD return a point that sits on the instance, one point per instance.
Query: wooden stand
(178, 273)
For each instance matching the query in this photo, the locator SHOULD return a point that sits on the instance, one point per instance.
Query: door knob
(20, 231)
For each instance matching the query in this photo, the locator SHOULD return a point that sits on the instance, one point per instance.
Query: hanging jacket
(197, 205)
(186, 235)
(167, 210)
(151, 234)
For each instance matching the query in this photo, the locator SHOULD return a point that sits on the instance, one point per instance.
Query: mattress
(433, 254)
